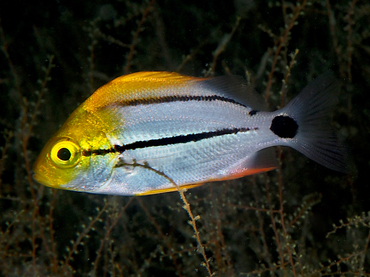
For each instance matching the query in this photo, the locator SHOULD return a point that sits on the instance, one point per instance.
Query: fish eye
(65, 153)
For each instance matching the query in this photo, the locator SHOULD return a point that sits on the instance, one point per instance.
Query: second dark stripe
(165, 141)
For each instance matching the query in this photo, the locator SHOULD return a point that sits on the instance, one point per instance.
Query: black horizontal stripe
(165, 141)
(178, 98)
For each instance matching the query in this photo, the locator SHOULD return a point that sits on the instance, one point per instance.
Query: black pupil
(64, 154)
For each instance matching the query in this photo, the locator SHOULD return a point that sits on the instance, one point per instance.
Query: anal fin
(262, 161)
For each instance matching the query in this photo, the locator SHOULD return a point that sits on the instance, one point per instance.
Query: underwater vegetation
(301, 219)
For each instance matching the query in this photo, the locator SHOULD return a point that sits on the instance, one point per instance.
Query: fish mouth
(41, 179)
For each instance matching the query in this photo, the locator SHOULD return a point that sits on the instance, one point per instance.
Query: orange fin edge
(244, 173)
(158, 191)
(189, 186)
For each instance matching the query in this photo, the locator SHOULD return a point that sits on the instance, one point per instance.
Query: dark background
(54, 54)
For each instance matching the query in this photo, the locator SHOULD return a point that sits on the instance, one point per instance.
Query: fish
(155, 132)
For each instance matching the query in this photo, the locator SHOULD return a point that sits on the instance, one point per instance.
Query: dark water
(56, 53)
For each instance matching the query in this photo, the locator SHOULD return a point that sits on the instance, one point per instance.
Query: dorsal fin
(236, 88)
(152, 76)
(139, 83)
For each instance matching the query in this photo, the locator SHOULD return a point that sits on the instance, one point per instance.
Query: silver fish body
(202, 131)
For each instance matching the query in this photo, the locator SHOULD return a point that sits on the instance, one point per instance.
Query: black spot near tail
(284, 126)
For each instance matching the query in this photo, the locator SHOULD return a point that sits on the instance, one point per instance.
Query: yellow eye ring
(65, 153)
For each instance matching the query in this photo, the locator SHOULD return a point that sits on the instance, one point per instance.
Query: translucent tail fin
(315, 137)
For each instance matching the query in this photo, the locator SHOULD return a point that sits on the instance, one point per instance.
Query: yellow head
(68, 161)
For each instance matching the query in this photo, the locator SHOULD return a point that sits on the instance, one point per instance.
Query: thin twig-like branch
(186, 206)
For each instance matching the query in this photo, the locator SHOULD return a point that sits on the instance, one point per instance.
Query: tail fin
(315, 138)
